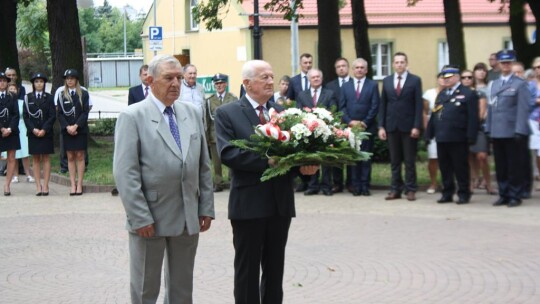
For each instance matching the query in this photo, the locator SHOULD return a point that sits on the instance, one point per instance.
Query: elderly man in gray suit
(507, 125)
(162, 171)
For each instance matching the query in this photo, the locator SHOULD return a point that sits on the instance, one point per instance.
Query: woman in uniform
(39, 116)
(9, 128)
(72, 109)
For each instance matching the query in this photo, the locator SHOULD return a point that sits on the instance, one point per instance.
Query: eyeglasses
(466, 77)
(536, 67)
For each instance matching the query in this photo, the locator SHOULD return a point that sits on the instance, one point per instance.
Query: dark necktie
(357, 89)
(39, 96)
(315, 97)
(220, 98)
(449, 92)
(398, 87)
(262, 119)
(306, 85)
(145, 91)
(503, 82)
(342, 82)
(173, 127)
(2, 96)
(72, 93)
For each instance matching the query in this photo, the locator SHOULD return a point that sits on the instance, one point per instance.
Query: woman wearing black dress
(72, 108)
(39, 116)
(9, 128)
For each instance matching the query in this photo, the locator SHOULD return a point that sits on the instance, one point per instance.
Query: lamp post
(256, 31)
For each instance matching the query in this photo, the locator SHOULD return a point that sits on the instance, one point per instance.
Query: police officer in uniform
(454, 122)
(212, 103)
(507, 125)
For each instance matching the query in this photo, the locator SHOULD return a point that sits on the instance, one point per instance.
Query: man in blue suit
(317, 96)
(507, 125)
(139, 92)
(360, 104)
(400, 121)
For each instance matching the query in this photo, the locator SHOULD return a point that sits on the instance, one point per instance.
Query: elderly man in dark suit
(139, 92)
(342, 71)
(162, 170)
(400, 121)
(260, 212)
(507, 125)
(360, 104)
(454, 122)
(317, 96)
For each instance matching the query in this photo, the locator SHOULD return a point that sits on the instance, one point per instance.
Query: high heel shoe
(40, 193)
(7, 193)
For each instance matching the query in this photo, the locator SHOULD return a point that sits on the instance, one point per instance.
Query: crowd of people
(26, 123)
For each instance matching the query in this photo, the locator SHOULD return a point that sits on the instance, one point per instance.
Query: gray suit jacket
(508, 111)
(157, 183)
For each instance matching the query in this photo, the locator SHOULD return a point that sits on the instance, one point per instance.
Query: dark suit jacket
(326, 99)
(455, 117)
(365, 108)
(404, 112)
(249, 197)
(334, 87)
(11, 120)
(81, 112)
(295, 87)
(48, 114)
(136, 94)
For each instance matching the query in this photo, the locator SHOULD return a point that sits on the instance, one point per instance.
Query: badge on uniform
(437, 108)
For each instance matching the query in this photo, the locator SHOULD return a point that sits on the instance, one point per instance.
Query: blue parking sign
(155, 33)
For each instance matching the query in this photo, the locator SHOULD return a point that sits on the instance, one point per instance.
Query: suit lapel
(163, 130)
(248, 110)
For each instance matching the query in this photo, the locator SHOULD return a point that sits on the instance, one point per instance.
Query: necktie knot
(169, 111)
(3, 96)
(72, 93)
(39, 96)
(262, 117)
(342, 81)
(145, 91)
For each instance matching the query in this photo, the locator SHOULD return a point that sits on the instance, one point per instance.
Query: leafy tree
(526, 51)
(32, 29)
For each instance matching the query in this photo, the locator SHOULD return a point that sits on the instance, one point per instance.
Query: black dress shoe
(526, 195)
(514, 203)
(301, 188)
(218, 189)
(356, 193)
(327, 192)
(366, 193)
(500, 202)
(462, 201)
(444, 199)
(311, 192)
(337, 189)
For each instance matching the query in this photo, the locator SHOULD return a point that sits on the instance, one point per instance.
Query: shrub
(103, 127)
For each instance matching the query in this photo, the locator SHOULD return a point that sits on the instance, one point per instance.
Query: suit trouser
(337, 176)
(259, 243)
(361, 172)
(216, 162)
(510, 166)
(402, 148)
(146, 259)
(324, 184)
(452, 159)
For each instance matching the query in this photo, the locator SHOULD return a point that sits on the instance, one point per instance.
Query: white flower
(324, 114)
(300, 131)
(291, 112)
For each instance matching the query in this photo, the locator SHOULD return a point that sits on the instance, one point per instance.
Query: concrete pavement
(342, 249)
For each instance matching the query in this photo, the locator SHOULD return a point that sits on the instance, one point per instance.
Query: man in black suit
(360, 103)
(454, 122)
(260, 212)
(298, 84)
(400, 121)
(139, 92)
(342, 70)
(317, 96)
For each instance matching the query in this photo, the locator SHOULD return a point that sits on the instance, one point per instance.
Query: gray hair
(187, 66)
(250, 67)
(360, 60)
(154, 67)
(313, 71)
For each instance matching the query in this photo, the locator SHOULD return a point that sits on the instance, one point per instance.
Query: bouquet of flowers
(297, 137)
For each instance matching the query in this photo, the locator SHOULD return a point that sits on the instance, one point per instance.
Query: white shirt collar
(253, 103)
(159, 104)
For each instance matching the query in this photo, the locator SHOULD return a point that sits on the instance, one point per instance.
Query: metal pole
(256, 31)
(294, 41)
(125, 36)
(155, 20)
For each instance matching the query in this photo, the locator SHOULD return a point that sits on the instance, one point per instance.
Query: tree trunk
(329, 48)
(64, 39)
(9, 56)
(525, 51)
(360, 31)
(454, 33)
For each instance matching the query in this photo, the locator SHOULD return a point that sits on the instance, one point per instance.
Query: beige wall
(218, 51)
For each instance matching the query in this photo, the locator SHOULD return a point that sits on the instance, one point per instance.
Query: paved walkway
(344, 249)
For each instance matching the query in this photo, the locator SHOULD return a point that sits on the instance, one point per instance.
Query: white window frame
(443, 55)
(379, 62)
(508, 44)
(193, 26)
